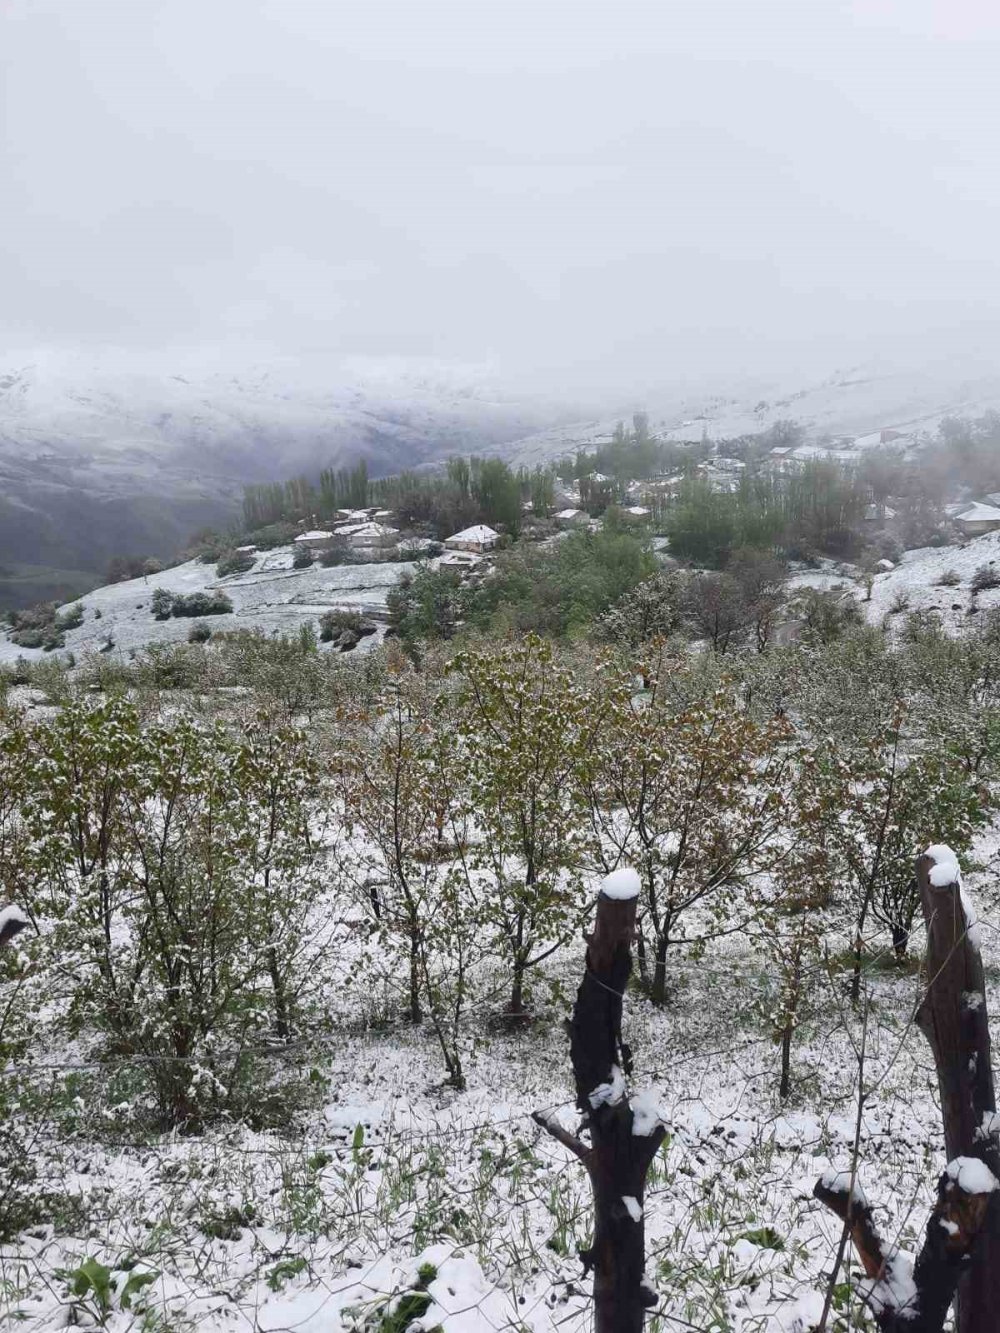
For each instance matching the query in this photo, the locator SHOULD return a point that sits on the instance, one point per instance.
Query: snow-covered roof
(637, 511)
(315, 535)
(978, 512)
(479, 532)
(569, 513)
(373, 530)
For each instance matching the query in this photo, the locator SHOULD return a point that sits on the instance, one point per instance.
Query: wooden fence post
(953, 1018)
(623, 1140)
(961, 1250)
(12, 922)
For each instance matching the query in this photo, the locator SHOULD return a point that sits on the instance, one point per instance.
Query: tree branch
(563, 1136)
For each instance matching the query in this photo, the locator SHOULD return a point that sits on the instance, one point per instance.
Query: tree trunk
(658, 993)
(621, 1150)
(900, 941)
(786, 1064)
(416, 1013)
(640, 954)
(281, 1024)
(515, 1005)
(953, 1018)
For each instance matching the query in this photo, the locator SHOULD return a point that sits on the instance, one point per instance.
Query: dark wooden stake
(961, 1251)
(953, 1018)
(12, 922)
(618, 1158)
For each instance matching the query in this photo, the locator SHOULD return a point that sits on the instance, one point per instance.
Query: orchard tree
(283, 865)
(688, 791)
(525, 721)
(399, 772)
(791, 898)
(895, 794)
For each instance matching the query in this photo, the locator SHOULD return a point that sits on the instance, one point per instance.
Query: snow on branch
(901, 1296)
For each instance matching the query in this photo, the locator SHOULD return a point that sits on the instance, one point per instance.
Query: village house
(782, 457)
(314, 540)
(478, 538)
(571, 518)
(978, 518)
(637, 513)
(372, 534)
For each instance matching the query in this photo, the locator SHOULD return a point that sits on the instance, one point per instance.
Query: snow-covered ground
(325, 1227)
(917, 581)
(272, 597)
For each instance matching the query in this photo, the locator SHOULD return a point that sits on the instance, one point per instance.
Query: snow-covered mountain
(122, 453)
(105, 454)
(857, 403)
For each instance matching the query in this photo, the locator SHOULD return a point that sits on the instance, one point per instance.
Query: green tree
(525, 722)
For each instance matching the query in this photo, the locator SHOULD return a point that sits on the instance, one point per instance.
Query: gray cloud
(603, 192)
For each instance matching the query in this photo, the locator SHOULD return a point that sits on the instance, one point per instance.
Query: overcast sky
(589, 190)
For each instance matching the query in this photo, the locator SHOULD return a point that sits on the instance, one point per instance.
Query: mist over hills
(117, 454)
(108, 454)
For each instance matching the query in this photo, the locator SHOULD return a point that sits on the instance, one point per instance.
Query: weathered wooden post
(12, 922)
(953, 1018)
(623, 1140)
(961, 1250)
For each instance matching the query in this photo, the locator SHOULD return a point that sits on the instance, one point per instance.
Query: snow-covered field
(917, 580)
(915, 584)
(273, 598)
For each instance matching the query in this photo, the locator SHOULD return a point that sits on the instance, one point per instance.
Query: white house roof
(569, 513)
(373, 530)
(638, 511)
(314, 536)
(479, 532)
(979, 513)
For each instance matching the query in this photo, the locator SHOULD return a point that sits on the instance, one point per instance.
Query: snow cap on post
(621, 885)
(12, 922)
(945, 869)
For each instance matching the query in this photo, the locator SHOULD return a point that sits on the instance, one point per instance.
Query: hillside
(855, 404)
(272, 598)
(111, 454)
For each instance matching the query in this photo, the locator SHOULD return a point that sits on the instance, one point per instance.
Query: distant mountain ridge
(119, 453)
(104, 455)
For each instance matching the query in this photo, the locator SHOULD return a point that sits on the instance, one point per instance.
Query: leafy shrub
(332, 622)
(201, 604)
(338, 552)
(270, 536)
(42, 626)
(234, 562)
(985, 578)
(199, 634)
(303, 557)
(162, 604)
